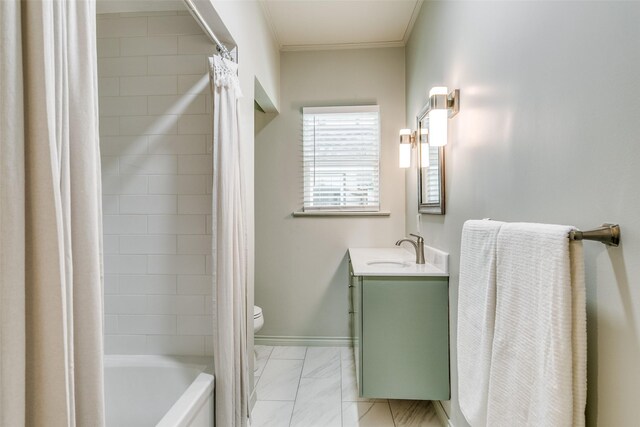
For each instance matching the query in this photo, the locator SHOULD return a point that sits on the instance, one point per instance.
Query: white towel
(476, 315)
(538, 362)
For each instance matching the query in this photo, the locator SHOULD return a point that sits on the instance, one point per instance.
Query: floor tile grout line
(298, 389)
(390, 410)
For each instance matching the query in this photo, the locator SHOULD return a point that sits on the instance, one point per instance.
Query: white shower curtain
(50, 216)
(229, 250)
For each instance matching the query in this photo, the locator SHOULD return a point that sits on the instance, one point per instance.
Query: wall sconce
(442, 105)
(407, 141)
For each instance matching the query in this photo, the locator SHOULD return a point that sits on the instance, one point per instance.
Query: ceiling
(335, 24)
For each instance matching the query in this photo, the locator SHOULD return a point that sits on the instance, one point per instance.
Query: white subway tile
(123, 106)
(111, 264)
(109, 126)
(195, 164)
(176, 64)
(124, 224)
(195, 285)
(177, 144)
(191, 205)
(127, 66)
(147, 284)
(125, 344)
(195, 124)
(195, 325)
(125, 304)
(143, 46)
(194, 244)
(173, 25)
(194, 84)
(147, 324)
(209, 224)
(208, 346)
(132, 264)
(208, 264)
(176, 264)
(177, 184)
(122, 27)
(176, 224)
(179, 345)
(149, 85)
(110, 244)
(124, 184)
(177, 104)
(110, 204)
(127, 145)
(148, 165)
(108, 48)
(110, 284)
(198, 44)
(148, 204)
(148, 125)
(161, 304)
(152, 13)
(208, 305)
(110, 165)
(110, 324)
(108, 86)
(148, 244)
(190, 304)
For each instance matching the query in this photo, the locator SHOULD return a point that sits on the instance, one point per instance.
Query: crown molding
(341, 46)
(412, 21)
(267, 15)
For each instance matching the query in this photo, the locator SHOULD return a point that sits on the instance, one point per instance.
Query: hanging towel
(476, 315)
(538, 361)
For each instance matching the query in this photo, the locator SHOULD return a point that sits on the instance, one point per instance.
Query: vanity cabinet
(400, 329)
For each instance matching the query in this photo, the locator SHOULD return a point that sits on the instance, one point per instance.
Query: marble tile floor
(316, 387)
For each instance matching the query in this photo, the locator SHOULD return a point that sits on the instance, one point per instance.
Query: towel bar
(609, 234)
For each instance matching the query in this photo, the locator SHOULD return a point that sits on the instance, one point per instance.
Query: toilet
(258, 322)
(258, 319)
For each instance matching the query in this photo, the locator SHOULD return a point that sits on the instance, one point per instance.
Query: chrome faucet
(418, 245)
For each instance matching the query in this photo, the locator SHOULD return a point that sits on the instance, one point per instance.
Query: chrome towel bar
(609, 234)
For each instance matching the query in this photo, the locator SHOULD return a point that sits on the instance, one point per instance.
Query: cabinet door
(355, 320)
(405, 338)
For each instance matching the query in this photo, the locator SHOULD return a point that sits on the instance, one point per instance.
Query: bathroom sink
(389, 263)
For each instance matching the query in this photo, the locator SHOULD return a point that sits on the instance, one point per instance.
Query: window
(341, 158)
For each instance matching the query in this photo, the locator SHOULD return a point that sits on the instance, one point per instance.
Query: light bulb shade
(439, 90)
(424, 155)
(438, 127)
(405, 155)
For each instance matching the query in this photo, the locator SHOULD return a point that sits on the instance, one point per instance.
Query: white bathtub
(162, 391)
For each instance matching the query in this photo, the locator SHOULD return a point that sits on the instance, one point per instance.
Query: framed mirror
(431, 197)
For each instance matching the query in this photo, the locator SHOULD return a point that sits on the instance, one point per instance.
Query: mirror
(431, 198)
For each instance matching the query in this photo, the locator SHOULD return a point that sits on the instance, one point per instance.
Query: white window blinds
(341, 158)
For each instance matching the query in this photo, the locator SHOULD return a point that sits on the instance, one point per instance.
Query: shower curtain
(50, 216)
(229, 250)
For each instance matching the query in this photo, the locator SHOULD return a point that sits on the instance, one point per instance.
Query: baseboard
(303, 341)
(442, 414)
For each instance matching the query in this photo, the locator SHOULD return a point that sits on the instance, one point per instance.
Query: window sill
(338, 214)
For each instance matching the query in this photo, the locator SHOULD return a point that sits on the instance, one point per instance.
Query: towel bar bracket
(609, 234)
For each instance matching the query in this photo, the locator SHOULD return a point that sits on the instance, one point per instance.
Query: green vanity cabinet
(400, 328)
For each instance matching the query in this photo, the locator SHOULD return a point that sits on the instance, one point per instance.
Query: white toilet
(258, 319)
(258, 322)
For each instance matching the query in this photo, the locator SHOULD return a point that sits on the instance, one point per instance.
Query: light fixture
(407, 140)
(442, 105)
(424, 148)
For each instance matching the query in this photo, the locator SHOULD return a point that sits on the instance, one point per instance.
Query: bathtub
(161, 391)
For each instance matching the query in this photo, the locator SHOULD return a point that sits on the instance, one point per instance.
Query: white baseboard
(442, 414)
(303, 341)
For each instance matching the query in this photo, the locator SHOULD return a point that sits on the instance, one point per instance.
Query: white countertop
(371, 262)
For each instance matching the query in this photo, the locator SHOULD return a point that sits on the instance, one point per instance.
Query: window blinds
(341, 158)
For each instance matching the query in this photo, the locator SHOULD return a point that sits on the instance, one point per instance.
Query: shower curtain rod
(220, 47)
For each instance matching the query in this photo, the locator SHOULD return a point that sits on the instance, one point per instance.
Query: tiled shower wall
(155, 129)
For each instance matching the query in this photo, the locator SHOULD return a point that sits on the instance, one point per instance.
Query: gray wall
(548, 132)
(301, 270)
